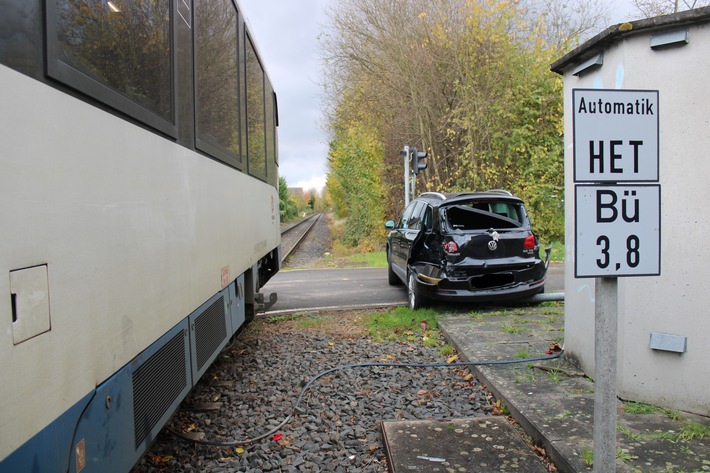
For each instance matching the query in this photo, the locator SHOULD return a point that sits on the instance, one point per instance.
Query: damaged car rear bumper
(492, 286)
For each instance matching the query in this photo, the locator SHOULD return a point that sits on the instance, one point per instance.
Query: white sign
(615, 135)
(618, 230)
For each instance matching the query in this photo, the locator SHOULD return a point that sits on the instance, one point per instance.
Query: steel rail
(310, 221)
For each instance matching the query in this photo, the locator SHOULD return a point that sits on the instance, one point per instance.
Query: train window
(118, 52)
(217, 79)
(271, 124)
(256, 107)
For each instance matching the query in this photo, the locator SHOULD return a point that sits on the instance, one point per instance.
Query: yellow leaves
(626, 27)
(502, 6)
(452, 359)
(157, 459)
(239, 450)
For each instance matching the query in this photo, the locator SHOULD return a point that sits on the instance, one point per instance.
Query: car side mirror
(389, 224)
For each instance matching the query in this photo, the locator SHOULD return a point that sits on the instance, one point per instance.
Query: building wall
(678, 301)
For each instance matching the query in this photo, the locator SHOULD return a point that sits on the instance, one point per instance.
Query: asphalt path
(318, 289)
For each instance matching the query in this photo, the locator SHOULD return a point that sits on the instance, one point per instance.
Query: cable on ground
(236, 443)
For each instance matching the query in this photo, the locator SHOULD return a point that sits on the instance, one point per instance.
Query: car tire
(392, 277)
(414, 297)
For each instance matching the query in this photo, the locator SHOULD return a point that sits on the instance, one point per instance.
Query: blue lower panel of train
(111, 427)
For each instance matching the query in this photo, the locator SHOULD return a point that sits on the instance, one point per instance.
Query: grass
(447, 349)
(643, 408)
(376, 259)
(565, 414)
(512, 328)
(310, 322)
(524, 376)
(694, 430)
(628, 433)
(554, 375)
(624, 456)
(558, 251)
(403, 324)
(301, 319)
(285, 318)
(640, 408)
(587, 456)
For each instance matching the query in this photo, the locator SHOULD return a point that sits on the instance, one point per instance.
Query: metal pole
(605, 355)
(414, 184)
(406, 176)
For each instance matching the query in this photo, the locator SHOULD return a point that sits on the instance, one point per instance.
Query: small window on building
(118, 52)
(217, 80)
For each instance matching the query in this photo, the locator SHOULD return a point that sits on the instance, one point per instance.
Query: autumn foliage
(466, 80)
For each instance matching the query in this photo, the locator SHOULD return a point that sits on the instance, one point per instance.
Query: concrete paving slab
(554, 402)
(478, 444)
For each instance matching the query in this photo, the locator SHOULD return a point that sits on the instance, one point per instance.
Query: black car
(467, 247)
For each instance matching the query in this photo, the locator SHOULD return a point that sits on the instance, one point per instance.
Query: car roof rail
(437, 195)
(501, 191)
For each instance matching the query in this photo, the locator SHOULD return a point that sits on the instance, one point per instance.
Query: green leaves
(355, 185)
(466, 80)
(287, 207)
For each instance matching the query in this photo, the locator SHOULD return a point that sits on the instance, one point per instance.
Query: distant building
(296, 193)
(664, 321)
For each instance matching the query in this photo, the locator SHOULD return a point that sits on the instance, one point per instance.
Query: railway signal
(418, 166)
(412, 161)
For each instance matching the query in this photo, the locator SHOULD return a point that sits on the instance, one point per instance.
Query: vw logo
(492, 245)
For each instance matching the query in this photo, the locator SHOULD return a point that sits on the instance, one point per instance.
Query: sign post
(617, 226)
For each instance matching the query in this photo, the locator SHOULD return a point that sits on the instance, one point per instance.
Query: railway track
(293, 235)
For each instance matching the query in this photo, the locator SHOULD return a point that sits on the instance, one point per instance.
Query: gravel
(314, 247)
(253, 386)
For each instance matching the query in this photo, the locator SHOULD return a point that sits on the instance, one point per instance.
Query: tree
(466, 80)
(287, 207)
(355, 187)
(651, 8)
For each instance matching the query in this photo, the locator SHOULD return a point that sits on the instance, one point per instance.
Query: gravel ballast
(254, 385)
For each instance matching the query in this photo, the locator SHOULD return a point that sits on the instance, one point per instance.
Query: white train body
(116, 241)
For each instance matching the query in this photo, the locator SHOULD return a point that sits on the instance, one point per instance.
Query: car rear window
(482, 215)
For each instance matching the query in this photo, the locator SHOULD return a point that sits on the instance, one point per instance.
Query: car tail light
(529, 242)
(451, 247)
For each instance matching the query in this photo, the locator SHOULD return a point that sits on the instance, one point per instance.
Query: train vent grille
(210, 331)
(156, 385)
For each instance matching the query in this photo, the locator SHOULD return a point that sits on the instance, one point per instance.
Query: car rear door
(412, 232)
(397, 257)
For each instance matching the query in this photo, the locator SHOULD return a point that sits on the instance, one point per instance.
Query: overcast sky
(286, 33)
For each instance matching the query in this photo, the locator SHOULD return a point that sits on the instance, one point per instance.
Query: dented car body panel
(465, 247)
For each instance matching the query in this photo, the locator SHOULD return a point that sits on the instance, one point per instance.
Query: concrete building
(664, 320)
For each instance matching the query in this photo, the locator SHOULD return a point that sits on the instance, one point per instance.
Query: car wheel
(392, 277)
(416, 301)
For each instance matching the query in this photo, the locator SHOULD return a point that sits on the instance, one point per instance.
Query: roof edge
(614, 33)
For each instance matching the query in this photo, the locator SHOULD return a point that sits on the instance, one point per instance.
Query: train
(138, 213)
